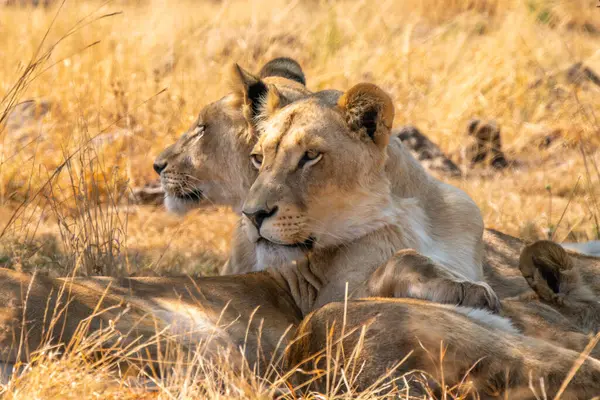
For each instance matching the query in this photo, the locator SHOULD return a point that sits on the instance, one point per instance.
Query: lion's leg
(222, 314)
(411, 274)
(449, 347)
(550, 272)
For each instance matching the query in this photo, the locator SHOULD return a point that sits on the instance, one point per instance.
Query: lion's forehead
(221, 127)
(304, 125)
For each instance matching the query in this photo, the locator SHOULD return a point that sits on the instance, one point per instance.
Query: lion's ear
(368, 111)
(250, 89)
(284, 67)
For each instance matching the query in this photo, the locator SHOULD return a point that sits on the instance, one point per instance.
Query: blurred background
(92, 91)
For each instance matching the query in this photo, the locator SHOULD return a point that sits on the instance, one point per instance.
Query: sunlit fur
(348, 202)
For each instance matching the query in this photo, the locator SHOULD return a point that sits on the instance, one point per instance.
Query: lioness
(502, 251)
(500, 364)
(502, 254)
(322, 184)
(192, 310)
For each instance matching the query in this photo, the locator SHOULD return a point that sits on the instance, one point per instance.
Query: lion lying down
(192, 310)
(380, 351)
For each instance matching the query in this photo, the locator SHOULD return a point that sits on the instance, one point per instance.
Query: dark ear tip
(235, 67)
(243, 76)
(472, 125)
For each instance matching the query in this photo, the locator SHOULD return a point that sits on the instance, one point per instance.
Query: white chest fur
(453, 249)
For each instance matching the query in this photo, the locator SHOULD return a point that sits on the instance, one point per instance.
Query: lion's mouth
(194, 195)
(305, 245)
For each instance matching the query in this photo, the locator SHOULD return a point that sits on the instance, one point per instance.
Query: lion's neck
(369, 214)
(407, 176)
(330, 268)
(440, 220)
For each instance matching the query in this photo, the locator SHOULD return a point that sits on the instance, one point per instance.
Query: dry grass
(116, 82)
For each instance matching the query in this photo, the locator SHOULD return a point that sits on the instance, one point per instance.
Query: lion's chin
(271, 255)
(179, 205)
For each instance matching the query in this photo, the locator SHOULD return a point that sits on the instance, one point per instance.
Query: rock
(486, 144)
(579, 74)
(427, 152)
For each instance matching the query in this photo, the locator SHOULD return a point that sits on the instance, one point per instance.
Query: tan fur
(273, 101)
(232, 313)
(220, 309)
(496, 363)
(411, 275)
(344, 206)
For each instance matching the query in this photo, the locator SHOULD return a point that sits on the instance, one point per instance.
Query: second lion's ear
(250, 89)
(369, 112)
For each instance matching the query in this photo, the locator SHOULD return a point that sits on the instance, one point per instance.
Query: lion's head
(321, 178)
(210, 161)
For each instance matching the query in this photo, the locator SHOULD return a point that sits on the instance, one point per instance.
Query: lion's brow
(285, 129)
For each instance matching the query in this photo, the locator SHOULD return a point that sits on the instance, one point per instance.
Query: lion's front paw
(479, 295)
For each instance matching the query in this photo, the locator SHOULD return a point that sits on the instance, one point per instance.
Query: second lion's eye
(311, 157)
(196, 133)
(199, 130)
(257, 160)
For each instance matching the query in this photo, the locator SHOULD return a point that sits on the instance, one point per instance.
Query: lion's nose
(258, 216)
(159, 166)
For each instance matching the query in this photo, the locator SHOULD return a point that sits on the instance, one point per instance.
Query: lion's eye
(311, 157)
(257, 160)
(198, 131)
(196, 134)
